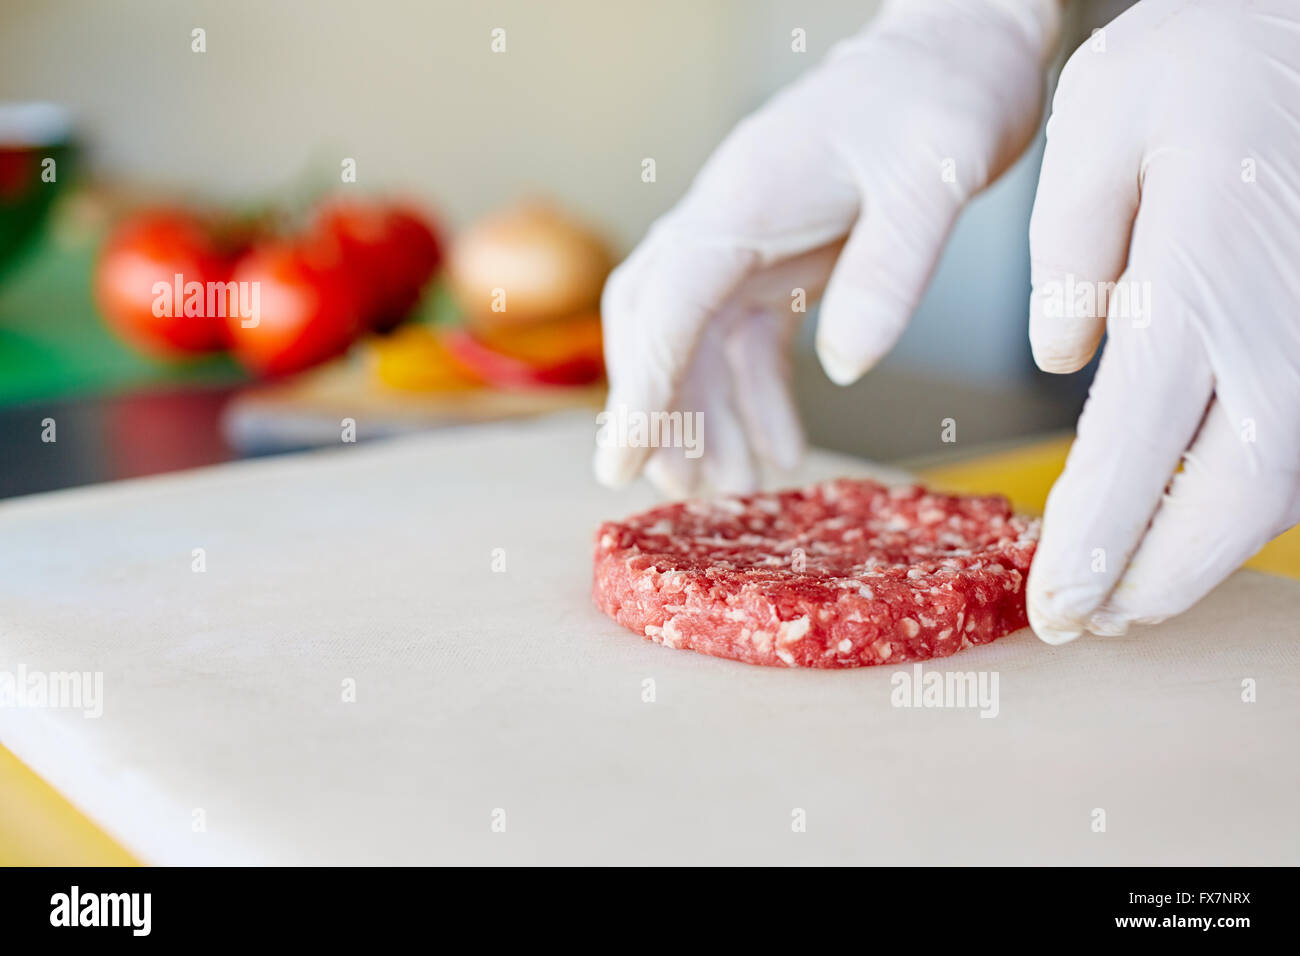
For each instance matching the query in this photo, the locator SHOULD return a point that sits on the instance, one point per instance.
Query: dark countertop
(891, 415)
(108, 437)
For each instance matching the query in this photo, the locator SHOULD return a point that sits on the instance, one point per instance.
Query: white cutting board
(484, 696)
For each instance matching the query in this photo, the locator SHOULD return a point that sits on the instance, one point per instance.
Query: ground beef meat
(841, 574)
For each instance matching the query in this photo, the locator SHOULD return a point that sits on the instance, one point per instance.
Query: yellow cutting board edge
(1025, 476)
(38, 827)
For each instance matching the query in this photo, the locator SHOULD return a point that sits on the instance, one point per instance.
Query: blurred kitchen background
(412, 92)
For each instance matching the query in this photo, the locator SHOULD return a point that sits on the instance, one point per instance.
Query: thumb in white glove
(1173, 170)
(849, 180)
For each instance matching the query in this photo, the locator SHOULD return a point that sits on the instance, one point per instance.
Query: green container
(37, 153)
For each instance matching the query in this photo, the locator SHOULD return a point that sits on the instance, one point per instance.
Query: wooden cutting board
(307, 410)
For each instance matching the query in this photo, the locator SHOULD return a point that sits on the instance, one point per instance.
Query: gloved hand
(1172, 167)
(881, 143)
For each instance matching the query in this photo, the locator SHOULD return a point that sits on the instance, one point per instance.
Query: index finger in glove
(1083, 217)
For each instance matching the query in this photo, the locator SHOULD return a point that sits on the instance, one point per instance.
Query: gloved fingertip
(731, 473)
(789, 455)
(856, 329)
(1108, 623)
(840, 368)
(672, 482)
(778, 443)
(1052, 360)
(734, 483)
(1061, 344)
(614, 467)
(1050, 631)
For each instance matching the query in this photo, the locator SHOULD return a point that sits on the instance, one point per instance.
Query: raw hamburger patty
(841, 574)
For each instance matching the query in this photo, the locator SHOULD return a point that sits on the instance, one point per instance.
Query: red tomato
(310, 306)
(415, 248)
(393, 251)
(137, 289)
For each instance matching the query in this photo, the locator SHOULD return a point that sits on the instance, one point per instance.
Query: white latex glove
(700, 315)
(1173, 159)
